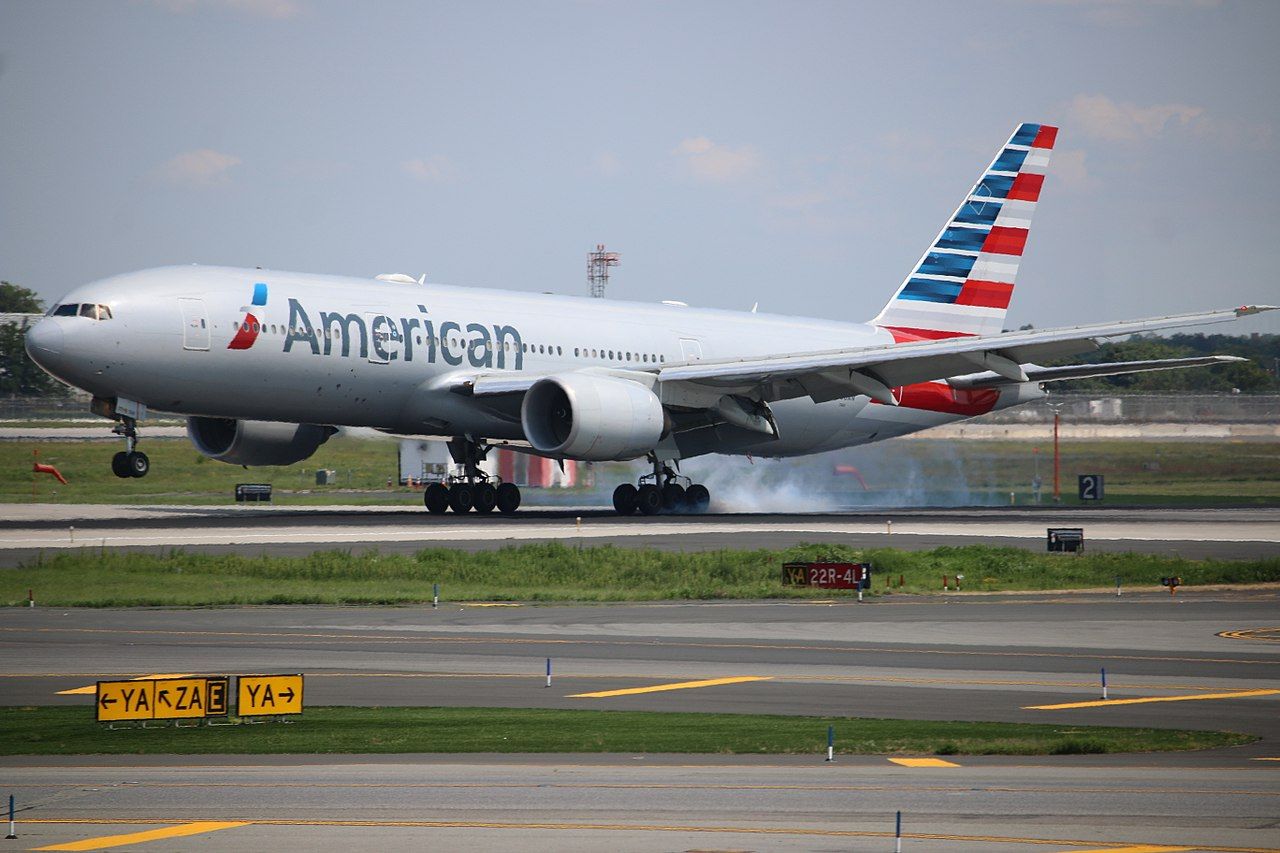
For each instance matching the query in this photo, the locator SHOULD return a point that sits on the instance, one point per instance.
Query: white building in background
(428, 459)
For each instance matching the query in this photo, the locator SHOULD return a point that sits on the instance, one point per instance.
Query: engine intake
(256, 442)
(595, 418)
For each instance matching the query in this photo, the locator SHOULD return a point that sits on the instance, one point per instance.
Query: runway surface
(27, 530)
(988, 658)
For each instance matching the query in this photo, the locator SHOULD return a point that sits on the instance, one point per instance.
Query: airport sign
(161, 699)
(268, 695)
(1090, 486)
(828, 575)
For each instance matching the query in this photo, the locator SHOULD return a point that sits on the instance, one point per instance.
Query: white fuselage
(357, 352)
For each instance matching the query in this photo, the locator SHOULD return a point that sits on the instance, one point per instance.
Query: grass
(66, 730)
(554, 572)
(1137, 472)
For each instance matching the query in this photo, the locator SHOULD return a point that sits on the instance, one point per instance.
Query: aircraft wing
(1088, 371)
(875, 370)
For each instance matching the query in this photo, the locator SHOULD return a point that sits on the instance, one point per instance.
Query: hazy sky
(799, 154)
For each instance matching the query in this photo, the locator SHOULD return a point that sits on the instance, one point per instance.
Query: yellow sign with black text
(268, 695)
(162, 699)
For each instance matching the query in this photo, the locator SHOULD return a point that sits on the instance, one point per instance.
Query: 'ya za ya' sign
(162, 699)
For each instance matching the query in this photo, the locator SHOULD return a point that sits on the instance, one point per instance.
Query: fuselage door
(691, 349)
(195, 324)
(384, 338)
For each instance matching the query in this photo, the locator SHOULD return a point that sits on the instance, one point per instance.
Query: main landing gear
(473, 488)
(661, 492)
(129, 462)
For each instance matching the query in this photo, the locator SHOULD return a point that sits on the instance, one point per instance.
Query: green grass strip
(69, 730)
(555, 572)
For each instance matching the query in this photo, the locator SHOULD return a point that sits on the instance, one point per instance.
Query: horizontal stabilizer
(1089, 371)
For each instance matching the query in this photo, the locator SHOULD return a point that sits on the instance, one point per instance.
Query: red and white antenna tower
(598, 263)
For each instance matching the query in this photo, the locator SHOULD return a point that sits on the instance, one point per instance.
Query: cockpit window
(104, 313)
(68, 310)
(89, 310)
(83, 309)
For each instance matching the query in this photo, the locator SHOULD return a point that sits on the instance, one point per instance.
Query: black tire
(120, 465)
(624, 499)
(697, 498)
(138, 463)
(435, 498)
(486, 498)
(649, 499)
(508, 498)
(461, 498)
(672, 497)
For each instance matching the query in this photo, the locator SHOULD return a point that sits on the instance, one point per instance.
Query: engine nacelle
(255, 442)
(596, 418)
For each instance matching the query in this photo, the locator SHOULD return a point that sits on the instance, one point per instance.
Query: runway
(988, 658)
(28, 530)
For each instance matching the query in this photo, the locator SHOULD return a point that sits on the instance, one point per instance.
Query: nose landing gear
(661, 492)
(473, 488)
(129, 462)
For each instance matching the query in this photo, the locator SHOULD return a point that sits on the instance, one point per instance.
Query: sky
(799, 155)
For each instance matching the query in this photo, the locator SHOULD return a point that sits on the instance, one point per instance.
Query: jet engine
(597, 418)
(256, 442)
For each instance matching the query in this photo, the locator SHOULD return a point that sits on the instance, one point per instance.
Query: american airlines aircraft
(267, 365)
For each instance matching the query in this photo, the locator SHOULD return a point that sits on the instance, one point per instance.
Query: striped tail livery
(963, 284)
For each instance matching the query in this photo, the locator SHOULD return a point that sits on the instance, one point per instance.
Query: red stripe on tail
(1046, 137)
(1005, 241)
(985, 294)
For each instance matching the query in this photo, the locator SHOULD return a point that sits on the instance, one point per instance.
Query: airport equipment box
(1069, 539)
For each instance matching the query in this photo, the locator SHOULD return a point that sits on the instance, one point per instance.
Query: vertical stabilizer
(963, 284)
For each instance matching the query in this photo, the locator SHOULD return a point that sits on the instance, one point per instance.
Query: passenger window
(559, 351)
(610, 353)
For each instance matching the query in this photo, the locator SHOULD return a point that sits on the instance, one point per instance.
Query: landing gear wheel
(649, 499)
(672, 497)
(697, 498)
(138, 463)
(436, 499)
(508, 498)
(461, 497)
(624, 499)
(486, 498)
(120, 465)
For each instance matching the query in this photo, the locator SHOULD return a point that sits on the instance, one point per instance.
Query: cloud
(277, 9)
(715, 163)
(1069, 167)
(198, 169)
(432, 169)
(606, 164)
(1102, 118)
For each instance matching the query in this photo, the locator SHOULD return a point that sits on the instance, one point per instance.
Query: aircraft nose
(44, 341)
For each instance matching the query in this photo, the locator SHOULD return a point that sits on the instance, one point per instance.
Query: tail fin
(963, 284)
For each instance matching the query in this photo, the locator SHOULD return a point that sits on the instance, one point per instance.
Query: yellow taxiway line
(678, 685)
(93, 688)
(106, 841)
(684, 829)
(1102, 703)
(1140, 848)
(923, 762)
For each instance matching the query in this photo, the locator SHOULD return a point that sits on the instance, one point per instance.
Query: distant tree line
(19, 375)
(1255, 376)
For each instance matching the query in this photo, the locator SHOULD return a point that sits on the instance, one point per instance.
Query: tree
(15, 299)
(18, 373)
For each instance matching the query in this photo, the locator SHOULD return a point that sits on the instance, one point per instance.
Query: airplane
(267, 365)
